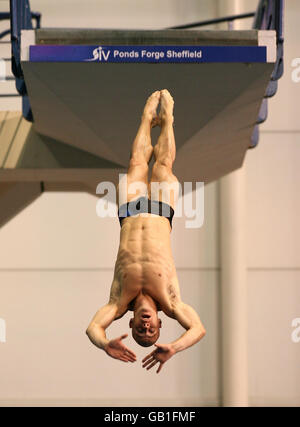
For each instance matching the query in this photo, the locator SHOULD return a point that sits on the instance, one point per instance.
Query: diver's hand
(161, 354)
(117, 349)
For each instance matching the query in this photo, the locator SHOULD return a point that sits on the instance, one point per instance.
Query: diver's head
(145, 324)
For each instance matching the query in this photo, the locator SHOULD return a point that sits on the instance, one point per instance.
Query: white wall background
(273, 203)
(56, 266)
(57, 257)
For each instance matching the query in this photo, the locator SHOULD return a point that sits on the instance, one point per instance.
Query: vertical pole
(233, 290)
(234, 366)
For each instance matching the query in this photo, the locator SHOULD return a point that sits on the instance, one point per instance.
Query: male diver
(145, 279)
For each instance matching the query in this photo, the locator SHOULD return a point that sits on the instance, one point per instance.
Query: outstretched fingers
(149, 355)
(130, 352)
(125, 356)
(151, 364)
(148, 361)
(122, 337)
(159, 368)
(130, 355)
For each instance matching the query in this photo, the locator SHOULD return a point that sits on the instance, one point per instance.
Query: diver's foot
(150, 113)
(166, 107)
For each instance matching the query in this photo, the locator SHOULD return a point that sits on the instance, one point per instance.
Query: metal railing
(20, 17)
(213, 21)
(6, 16)
(269, 16)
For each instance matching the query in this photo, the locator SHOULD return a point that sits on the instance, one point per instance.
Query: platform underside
(216, 107)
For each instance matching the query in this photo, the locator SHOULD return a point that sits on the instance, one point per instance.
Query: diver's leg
(163, 183)
(141, 153)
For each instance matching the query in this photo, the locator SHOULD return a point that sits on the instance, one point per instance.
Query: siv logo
(100, 54)
(2, 330)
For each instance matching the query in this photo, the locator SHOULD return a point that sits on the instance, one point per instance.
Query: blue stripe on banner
(152, 54)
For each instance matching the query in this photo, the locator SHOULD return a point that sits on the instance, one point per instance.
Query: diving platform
(95, 104)
(83, 93)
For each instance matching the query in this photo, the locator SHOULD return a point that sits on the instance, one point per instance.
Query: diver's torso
(145, 262)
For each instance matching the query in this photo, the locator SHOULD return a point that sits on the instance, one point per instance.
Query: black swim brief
(145, 205)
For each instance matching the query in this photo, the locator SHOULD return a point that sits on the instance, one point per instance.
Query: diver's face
(145, 325)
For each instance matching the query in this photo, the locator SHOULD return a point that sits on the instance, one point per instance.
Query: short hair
(145, 341)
